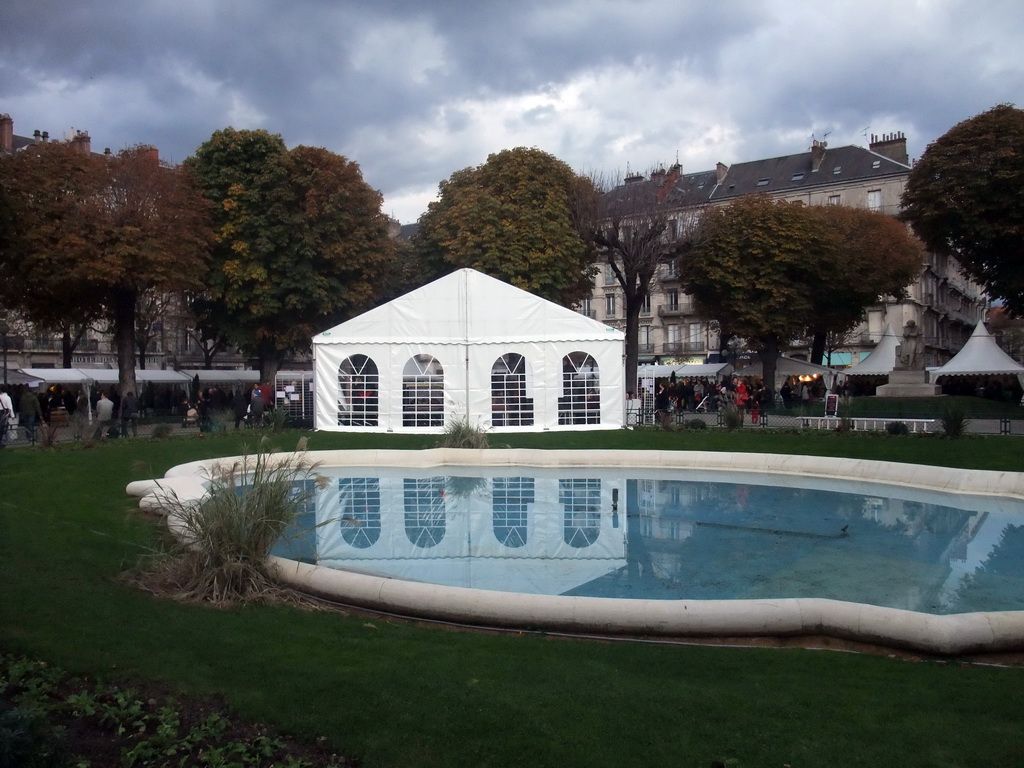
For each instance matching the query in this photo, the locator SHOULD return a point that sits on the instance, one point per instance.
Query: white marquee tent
(469, 346)
(981, 356)
(789, 366)
(882, 359)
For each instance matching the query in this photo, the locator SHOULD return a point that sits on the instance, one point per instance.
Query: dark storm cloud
(413, 91)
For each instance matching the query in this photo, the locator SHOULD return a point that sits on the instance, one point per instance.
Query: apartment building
(944, 304)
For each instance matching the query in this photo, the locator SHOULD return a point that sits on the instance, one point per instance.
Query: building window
(671, 268)
(835, 199)
(673, 300)
(874, 200)
(585, 309)
(645, 307)
(358, 384)
(609, 305)
(423, 393)
(609, 275)
(763, 182)
(673, 229)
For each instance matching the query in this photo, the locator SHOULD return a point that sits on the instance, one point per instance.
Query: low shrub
(160, 431)
(954, 420)
(897, 428)
(732, 417)
(696, 424)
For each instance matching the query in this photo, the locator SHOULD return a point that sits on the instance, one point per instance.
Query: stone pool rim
(948, 635)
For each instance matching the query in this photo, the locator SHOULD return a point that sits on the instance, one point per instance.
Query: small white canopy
(469, 346)
(89, 376)
(209, 378)
(788, 366)
(882, 359)
(980, 356)
(692, 370)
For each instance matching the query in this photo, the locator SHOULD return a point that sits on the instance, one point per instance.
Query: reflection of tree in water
(999, 583)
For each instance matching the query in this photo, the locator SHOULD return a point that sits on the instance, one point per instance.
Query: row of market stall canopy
(468, 347)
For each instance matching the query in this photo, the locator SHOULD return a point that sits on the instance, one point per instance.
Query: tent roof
(693, 369)
(980, 355)
(788, 366)
(882, 359)
(467, 307)
(15, 376)
(103, 376)
(223, 377)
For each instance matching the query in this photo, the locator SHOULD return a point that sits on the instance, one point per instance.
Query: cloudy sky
(414, 91)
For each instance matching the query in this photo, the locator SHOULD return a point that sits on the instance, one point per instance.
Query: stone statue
(912, 348)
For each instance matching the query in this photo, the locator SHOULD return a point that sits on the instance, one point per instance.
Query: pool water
(672, 535)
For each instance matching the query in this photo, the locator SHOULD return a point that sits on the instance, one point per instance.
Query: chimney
(37, 136)
(671, 177)
(720, 170)
(891, 145)
(46, 136)
(817, 153)
(6, 134)
(81, 142)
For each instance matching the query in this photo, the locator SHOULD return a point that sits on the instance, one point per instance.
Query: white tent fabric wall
(466, 323)
(882, 359)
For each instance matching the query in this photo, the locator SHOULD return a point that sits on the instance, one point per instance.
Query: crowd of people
(107, 414)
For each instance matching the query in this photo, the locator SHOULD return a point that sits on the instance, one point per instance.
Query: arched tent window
(424, 511)
(580, 402)
(358, 388)
(580, 500)
(510, 500)
(423, 392)
(511, 405)
(359, 510)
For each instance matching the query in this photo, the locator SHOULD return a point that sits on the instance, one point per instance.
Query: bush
(27, 740)
(732, 417)
(462, 433)
(954, 420)
(696, 424)
(217, 548)
(897, 428)
(160, 431)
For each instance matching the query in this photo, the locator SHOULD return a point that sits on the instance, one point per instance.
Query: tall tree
(637, 229)
(753, 266)
(963, 198)
(515, 218)
(873, 255)
(301, 242)
(102, 231)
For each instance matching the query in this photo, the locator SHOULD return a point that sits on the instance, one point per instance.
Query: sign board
(831, 405)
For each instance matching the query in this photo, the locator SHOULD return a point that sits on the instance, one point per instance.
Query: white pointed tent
(469, 346)
(882, 359)
(981, 356)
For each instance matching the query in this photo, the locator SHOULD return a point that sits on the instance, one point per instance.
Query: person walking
(104, 413)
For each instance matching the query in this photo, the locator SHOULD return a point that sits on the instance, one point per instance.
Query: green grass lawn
(393, 693)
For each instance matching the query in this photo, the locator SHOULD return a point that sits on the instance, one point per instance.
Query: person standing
(104, 413)
(662, 407)
(6, 415)
(129, 412)
(256, 406)
(30, 412)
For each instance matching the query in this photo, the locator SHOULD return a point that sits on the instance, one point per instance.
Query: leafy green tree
(301, 242)
(515, 218)
(87, 235)
(754, 266)
(873, 255)
(963, 198)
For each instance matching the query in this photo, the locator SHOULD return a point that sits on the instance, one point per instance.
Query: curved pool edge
(948, 635)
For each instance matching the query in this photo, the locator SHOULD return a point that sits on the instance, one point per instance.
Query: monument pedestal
(908, 384)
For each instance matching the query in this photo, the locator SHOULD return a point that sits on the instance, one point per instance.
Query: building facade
(944, 304)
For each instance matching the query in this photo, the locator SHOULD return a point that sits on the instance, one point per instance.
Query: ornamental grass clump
(462, 433)
(217, 548)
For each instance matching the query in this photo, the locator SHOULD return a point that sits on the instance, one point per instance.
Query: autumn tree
(514, 218)
(872, 255)
(754, 266)
(963, 198)
(301, 242)
(91, 234)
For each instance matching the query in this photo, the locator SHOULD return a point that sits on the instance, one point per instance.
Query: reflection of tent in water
(471, 532)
